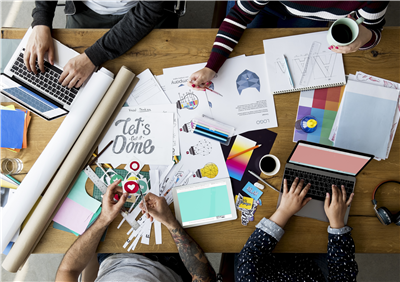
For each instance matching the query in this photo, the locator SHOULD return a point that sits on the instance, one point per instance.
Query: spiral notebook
(311, 64)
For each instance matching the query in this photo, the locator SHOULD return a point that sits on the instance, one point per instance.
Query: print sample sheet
(247, 104)
(145, 135)
(199, 155)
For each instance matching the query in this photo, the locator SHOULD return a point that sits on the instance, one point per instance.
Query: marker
(263, 181)
(288, 71)
(198, 126)
(245, 151)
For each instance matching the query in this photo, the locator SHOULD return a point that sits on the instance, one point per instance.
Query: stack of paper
(368, 116)
(14, 128)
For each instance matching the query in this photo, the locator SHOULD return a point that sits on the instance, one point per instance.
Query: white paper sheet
(147, 91)
(52, 156)
(164, 108)
(145, 135)
(146, 232)
(193, 158)
(243, 107)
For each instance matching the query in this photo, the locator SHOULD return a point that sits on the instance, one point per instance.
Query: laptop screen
(331, 159)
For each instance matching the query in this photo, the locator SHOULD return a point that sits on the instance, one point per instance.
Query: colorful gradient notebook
(247, 161)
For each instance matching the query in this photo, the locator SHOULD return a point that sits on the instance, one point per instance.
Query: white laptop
(40, 93)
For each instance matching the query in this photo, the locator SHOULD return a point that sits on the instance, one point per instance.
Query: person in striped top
(249, 14)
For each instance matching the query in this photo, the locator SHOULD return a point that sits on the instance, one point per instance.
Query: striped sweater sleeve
(231, 30)
(374, 20)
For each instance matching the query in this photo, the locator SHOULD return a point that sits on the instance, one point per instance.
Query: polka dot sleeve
(341, 259)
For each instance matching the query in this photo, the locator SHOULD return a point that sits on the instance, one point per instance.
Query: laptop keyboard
(320, 184)
(47, 82)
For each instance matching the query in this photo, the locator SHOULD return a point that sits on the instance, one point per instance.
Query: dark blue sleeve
(255, 260)
(341, 259)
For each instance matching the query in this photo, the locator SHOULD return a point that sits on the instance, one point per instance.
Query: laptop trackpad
(315, 209)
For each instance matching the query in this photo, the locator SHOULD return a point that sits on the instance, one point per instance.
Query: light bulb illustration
(189, 101)
(203, 148)
(188, 127)
(210, 170)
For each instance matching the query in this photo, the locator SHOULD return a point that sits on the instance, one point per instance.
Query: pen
(213, 91)
(244, 151)
(263, 181)
(288, 71)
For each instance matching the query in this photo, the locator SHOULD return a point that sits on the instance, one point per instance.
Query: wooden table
(170, 48)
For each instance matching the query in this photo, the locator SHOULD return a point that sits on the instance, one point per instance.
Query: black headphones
(383, 214)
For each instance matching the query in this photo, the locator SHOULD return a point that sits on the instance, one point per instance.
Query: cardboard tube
(67, 172)
(45, 167)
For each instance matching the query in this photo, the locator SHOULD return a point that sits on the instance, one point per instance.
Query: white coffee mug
(343, 31)
(269, 165)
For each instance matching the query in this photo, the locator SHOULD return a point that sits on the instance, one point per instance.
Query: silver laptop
(40, 93)
(323, 166)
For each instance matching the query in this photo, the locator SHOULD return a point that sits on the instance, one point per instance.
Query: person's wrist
(281, 217)
(105, 220)
(173, 224)
(336, 224)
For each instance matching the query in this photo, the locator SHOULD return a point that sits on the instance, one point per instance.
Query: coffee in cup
(269, 165)
(343, 31)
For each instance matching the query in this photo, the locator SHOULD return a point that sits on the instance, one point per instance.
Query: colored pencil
(244, 151)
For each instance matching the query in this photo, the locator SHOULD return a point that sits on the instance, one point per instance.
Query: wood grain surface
(171, 48)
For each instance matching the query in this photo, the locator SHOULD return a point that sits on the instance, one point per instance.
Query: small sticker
(252, 191)
(135, 165)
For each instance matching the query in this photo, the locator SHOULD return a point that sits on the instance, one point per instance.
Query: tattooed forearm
(192, 256)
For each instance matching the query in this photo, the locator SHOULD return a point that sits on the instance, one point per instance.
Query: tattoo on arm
(193, 256)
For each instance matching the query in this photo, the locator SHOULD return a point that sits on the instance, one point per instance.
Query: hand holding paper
(110, 208)
(158, 209)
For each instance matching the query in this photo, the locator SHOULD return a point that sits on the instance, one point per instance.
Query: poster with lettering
(147, 136)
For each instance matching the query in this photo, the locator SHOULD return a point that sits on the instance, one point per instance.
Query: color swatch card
(323, 104)
(237, 166)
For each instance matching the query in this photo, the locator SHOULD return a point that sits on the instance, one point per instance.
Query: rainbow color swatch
(323, 104)
(237, 166)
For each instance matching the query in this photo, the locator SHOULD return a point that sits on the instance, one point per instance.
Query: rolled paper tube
(52, 156)
(67, 171)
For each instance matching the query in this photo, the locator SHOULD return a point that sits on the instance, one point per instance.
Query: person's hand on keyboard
(39, 42)
(292, 201)
(76, 71)
(336, 206)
